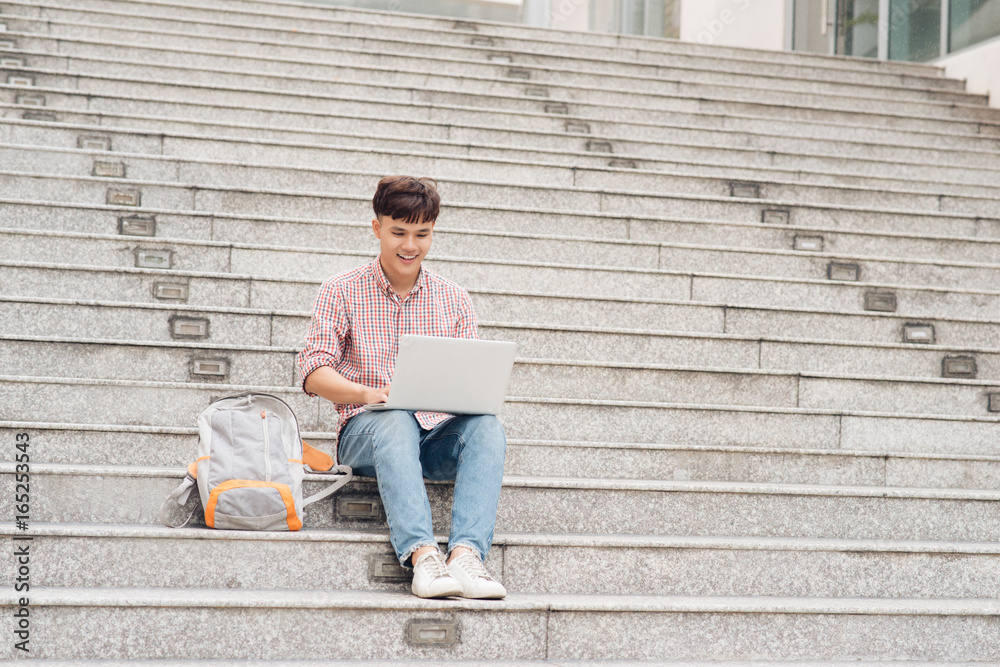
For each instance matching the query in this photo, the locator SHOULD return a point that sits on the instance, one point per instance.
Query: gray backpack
(250, 466)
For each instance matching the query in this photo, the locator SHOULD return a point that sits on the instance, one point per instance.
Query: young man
(348, 359)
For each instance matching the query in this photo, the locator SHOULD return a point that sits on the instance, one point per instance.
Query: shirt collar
(383, 281)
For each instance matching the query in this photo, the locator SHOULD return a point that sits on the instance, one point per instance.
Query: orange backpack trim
(294, 522)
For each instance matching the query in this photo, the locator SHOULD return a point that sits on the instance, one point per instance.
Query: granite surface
(745, 471)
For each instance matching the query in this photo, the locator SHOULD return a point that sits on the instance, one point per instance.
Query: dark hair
(407, 198)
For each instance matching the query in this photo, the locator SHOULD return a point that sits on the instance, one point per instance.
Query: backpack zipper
(267, 447)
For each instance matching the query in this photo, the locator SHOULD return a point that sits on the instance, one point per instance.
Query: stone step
(484, 203)
(768, 142)
(660, 383)
(971, 467)
(228, 170)
(375, 625)
(245, 311)
(114, 494)
(636, 268)
(211, 258)
(635, 241)
(141, 151)
(149, 46)
(506, 127)
(95, 40)
(323, 23)
(231, 89)
(526, 563)
(320, 94)
(298, 148)
(208, 33)
(240, 87)
(143, 285)
(178, 361)
(787, 465)
(71, 401)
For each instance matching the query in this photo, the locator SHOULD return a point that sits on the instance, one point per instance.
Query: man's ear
(377, 228)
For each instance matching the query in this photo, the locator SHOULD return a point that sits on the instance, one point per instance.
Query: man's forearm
(334, 387)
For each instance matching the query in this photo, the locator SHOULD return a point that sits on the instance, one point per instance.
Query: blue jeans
(392, 447)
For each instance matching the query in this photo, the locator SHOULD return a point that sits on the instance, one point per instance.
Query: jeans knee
(490, 434)
(396, 430)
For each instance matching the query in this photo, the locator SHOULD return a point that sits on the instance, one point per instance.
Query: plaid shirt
(358, 319)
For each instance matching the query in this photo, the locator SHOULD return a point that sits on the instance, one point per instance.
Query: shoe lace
(436, 565)
(473, 566)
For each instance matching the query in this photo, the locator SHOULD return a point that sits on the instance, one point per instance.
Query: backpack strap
(180, 496)
(321, 462)
(344, 472)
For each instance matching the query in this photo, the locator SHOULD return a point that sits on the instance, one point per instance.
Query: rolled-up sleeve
(325, 338)
(466, 326)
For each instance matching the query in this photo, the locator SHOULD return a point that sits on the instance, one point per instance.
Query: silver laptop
(455, 375)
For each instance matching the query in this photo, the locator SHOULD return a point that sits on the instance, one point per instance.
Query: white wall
(757, 24)
(980, 64)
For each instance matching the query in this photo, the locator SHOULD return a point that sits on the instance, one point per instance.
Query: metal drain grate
(109, 169)
(46, 116)
(210, 367)
(30, 100)
(959, 367)
(385, 568)
(843, 271)
(745, 190)
(918, 333)
(189, 327)
(170, 291)
(808, 243)
(775, 216)
(883, 302)
(154, 259)
(94, 143)
(355, 507)
(124, 197)
(137, 225)
(432, 632)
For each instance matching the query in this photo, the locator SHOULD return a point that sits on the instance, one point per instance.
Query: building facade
(963, 36)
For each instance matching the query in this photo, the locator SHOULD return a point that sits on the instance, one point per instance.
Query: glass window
(914, 30)
(857, 28)
(811, 32)
(972, 21)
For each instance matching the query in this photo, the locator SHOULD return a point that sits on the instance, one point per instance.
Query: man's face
(404, 245)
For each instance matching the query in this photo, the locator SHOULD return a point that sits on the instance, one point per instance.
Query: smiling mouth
(407, 257)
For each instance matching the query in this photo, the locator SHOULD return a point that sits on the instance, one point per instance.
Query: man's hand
(380, 395)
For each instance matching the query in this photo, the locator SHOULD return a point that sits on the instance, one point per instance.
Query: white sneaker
(475, 580)
(431, 578)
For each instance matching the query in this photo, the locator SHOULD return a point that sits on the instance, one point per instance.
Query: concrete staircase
(755, 414)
